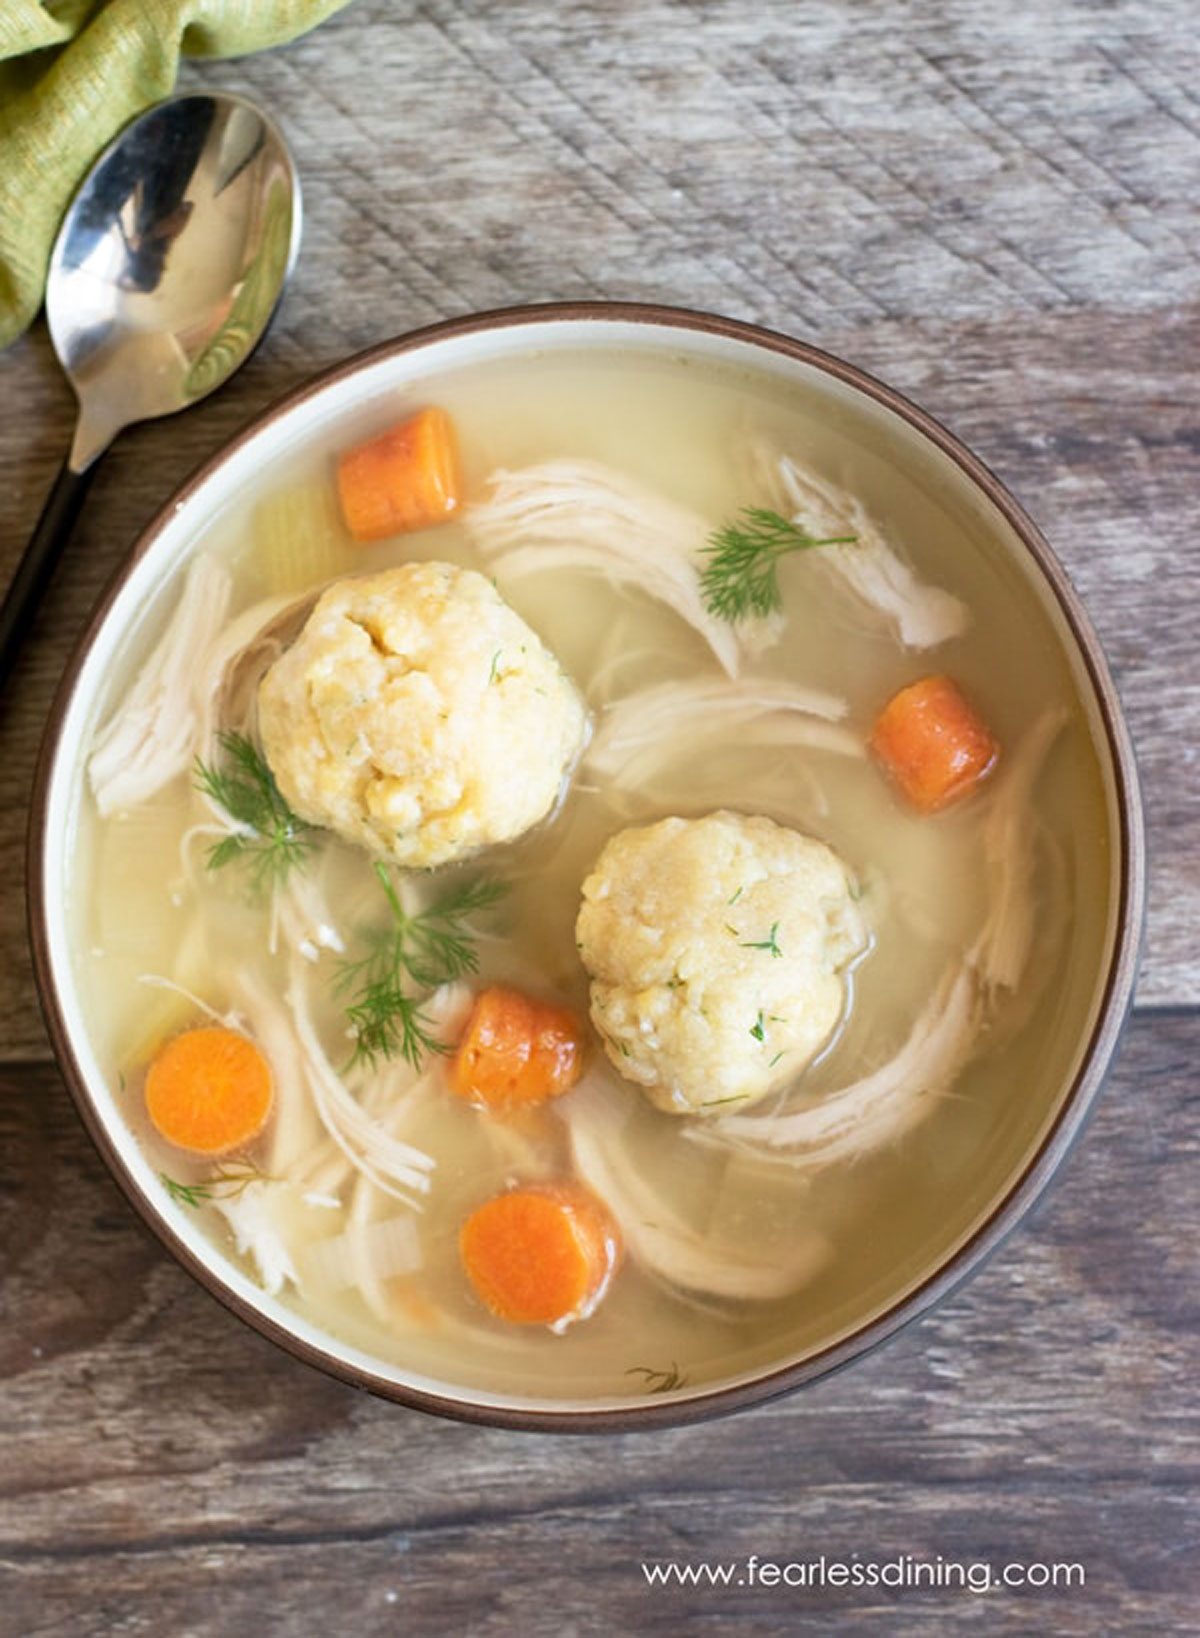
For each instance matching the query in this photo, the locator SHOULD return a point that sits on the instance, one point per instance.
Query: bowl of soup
(587, 869)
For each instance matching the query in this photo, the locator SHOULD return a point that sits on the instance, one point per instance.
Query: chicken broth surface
(822, 1225)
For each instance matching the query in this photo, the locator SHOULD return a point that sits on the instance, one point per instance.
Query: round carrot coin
(209, 1090)
(540, 1256)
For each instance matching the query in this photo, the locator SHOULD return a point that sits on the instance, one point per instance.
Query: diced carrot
(540, 1255)
(209, 1090)
(406, 478)
(933, 744)
(516, 1050)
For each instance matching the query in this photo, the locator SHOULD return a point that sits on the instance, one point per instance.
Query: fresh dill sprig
(438, 947)
(228, 1181)
(186, 1194)
(425, 950)
(272, 839)
(738, 578)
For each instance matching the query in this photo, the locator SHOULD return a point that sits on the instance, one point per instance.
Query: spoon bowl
(166, 271)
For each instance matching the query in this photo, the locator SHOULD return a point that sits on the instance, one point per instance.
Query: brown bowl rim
(1023, 1192)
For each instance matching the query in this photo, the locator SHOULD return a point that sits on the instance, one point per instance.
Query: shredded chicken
(397, 1168)
(884, 1105)
(921, 615)
(178, 701)
(294, 1129)
(248, 1213)
(248, 643)
(152, 735)
(1001, 952)
(632, 732)
(395, 1098)
(584, 515)
(301, 911)
(655, 1236)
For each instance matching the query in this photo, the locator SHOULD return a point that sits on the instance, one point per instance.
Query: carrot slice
(933, 744)
(516, 1050)
(209, 1090)
(540, 1255)
(406, 478)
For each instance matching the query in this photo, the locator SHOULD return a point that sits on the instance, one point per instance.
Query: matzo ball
(418, 714)
(717, 950)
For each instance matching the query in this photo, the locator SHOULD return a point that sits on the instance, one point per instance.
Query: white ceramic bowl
(343, 397)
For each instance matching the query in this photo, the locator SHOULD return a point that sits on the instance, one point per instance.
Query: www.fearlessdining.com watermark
(902, 1573)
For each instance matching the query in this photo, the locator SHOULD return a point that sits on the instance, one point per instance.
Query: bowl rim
(1111, 1009)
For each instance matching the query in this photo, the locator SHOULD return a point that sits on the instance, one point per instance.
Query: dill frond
(227, 1182)
(738, 578)
(273, 839)
(185, 1194)
(425, 950)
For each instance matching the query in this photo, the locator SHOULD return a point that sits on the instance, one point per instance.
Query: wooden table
(993, 207)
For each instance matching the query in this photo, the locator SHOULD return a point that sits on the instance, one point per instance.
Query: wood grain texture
(997, 209)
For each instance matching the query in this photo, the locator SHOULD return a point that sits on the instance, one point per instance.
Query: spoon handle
(37, 564)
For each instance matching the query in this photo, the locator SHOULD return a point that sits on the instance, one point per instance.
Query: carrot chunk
(406, 478)
(540, 1255)
(516, 1051)
(933, 744)
(209, 1090)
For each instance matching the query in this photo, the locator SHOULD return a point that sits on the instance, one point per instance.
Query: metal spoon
(167, 268)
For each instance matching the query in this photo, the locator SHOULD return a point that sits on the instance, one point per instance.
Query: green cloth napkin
(72, 72)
